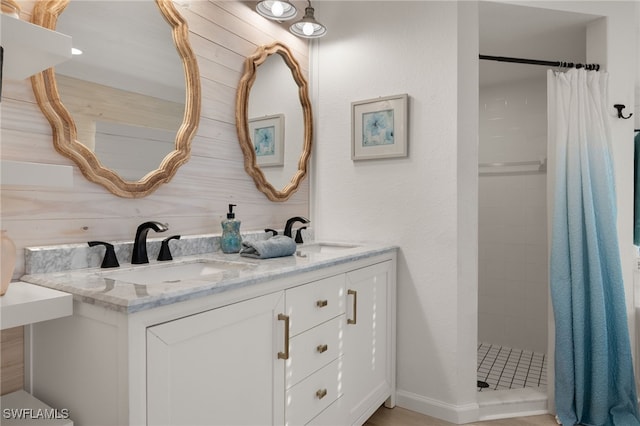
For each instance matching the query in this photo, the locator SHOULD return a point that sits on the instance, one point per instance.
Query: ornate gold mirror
(274, 121)
(127, 108)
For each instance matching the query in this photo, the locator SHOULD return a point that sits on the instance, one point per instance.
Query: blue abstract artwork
(377, 128)
(264, 141)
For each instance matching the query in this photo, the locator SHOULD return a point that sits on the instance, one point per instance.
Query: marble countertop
(96, 286)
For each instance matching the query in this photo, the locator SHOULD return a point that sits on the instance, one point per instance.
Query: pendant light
(277, 10)
(308, 27)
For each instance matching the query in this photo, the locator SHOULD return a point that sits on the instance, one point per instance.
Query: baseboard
(491, 405)
(502, 404)
(458, 414)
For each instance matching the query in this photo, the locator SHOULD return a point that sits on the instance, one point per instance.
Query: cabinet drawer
(308, 398)
(313, 349)
(334, 415)
(314, 303)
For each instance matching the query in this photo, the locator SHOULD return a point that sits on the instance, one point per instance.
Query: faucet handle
(165, 252)
(299, 235)
(273, 231)
(110, 259)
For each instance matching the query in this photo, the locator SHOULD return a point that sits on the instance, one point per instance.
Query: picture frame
(267, 136)
(379, 128)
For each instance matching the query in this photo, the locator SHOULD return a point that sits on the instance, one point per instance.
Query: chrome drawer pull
(321, 393)
(322, 348)
(321, 303)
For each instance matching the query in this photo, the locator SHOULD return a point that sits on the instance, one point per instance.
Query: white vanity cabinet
(369, 354)
(367, 342)
(205, 368)
(314, 362)
(309, 348)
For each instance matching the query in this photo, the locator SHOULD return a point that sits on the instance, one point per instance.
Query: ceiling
(506, 29)
(526, 32)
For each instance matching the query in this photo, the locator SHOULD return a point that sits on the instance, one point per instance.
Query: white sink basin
(203, 269)
(325, 247)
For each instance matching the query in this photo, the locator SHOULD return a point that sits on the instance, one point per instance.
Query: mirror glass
(131, 97)
(274, 121)
(140, 72)
(274, 104)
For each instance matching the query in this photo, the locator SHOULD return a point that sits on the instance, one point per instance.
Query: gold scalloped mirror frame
(45, 14)
(242, 120)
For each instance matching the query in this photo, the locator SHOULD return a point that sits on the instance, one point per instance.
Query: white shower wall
(513, 260)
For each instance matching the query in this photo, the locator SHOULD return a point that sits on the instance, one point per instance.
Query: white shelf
(513, 167)
(30, 49)
(25, 303)
(32, 411)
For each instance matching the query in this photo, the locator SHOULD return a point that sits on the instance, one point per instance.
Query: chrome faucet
(140, 243)
(291, 221)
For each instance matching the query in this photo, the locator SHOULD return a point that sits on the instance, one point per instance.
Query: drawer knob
(321, 393)
(321, 303)
(322, 348)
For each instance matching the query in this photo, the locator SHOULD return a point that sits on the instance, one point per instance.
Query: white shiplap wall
(222, 34)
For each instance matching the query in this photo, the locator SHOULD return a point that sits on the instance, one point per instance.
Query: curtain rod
(560, 64)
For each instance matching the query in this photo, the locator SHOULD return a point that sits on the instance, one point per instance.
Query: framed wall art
(379, 128)
(267, 134)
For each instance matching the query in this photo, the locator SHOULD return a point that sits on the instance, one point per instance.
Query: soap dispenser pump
(231, 240)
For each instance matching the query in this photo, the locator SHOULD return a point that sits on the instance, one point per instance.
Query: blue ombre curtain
(594, 381)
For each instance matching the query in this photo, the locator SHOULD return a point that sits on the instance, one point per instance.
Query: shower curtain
(594, 380)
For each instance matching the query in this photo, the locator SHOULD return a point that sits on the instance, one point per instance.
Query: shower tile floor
(506, 368)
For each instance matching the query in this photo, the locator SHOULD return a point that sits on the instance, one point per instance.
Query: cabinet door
(368, 375)
(218, 367)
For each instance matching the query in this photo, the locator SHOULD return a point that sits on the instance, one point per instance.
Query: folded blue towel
(277, 246)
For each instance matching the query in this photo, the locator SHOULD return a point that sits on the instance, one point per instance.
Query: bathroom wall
(423, 203)
(222, 34)
(512, 226)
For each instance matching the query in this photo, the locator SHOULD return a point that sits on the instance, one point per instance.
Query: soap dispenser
(231, 239)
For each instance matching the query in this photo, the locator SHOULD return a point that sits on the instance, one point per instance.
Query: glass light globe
(277, 8)
(307, 28)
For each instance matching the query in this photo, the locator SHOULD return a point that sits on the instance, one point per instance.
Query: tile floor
(506, 368)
